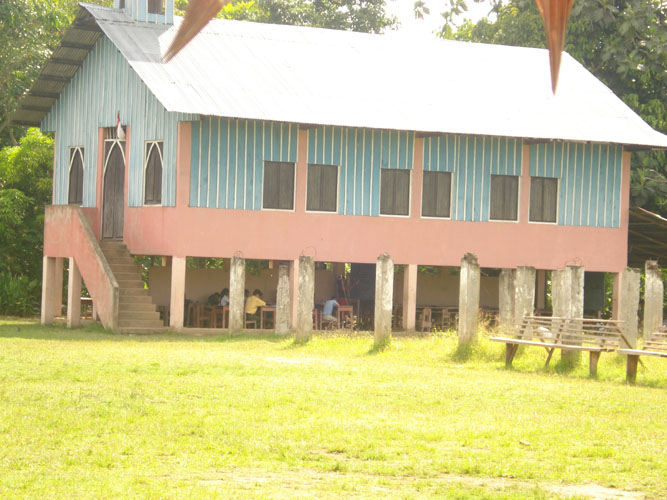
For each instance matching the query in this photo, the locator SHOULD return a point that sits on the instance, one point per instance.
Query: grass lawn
(86, 414)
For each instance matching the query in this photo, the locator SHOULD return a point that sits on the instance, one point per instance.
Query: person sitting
(224, 297)
(327, 312)
(252, 304)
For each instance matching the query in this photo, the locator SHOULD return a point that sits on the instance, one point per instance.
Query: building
(273, 142)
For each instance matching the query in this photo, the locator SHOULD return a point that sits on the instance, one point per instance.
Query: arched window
(153, 173)
(75, 192)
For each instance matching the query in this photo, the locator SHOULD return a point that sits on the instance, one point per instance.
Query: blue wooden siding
(360, 155)
(589, 191)
(227, 160)
(138, 9)
(104, 85)
(472, 160)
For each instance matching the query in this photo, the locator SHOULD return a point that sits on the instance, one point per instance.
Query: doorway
(114, 193)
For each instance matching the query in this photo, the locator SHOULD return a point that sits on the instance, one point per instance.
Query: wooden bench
(572, 334)
(656, 345)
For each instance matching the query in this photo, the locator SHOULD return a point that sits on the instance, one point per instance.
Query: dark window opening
(322, 188)
(543, 199)
(153, 181)
(504, 197)
(75, 193)
(436, 194)
(278, 185)
(395, 192)
(122, 4)
(156, 6)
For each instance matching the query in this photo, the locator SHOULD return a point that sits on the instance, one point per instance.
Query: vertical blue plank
(470, 180)
(203, 169)
(231, 181)
(585, 183)
(393, 149)
(558, 159)
(250, 167)
(368, 170)
(311, 146)
(194, 164)
(223, 152)
(489, 157)
(602, 190)
(327, 154)
(618, 174)
(214, 166)
(241, 166)
(578, 185)
(259, 167)
(342, 168)
(384, 138)
(285, 142)
(337, 155)
(503, 157)
(411, 150)
(350, 174)
(359, 168)
(376, 166)
(594, 183)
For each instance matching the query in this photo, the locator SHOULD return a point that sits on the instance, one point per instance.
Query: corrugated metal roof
(327, 77)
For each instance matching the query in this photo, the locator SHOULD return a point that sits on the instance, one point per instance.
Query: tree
(622, 42)
(355, 15)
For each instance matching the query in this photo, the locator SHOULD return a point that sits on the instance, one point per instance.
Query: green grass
(86, 414)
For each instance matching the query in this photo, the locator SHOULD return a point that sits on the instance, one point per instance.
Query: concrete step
(125, 268)
(140, 323)
(119, 261)
(125, 275)
(142, 331)
(133, 283)
(135, 299)
(134, 304)
(134, 292)
(138, 315)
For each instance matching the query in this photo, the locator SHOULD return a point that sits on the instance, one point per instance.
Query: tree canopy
(622, 42)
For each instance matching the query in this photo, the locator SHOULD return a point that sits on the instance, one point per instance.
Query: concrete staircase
(136, 312)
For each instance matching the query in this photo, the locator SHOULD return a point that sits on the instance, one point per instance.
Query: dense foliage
(622, 42)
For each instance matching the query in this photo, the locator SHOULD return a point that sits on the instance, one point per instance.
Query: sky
(403, 10)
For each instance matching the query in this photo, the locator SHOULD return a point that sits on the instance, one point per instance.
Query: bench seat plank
(567, 347)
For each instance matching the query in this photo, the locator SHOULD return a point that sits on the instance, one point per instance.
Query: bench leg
(593, 363)
(631, 368)
(551, 352)
(510, 351)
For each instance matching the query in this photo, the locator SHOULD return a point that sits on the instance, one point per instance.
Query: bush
(19, 296)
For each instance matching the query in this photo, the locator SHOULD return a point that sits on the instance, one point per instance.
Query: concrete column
(283, 311)
(567, 298)
(629, 305)
(177, 300)
(306, 298)
(653, 294)
(409, 296)
(236, 294)
(48, 289)
(294, 292)
(468, 299)
(58, 287)
(506, 297)
(384, 298)
(73, 295)
(524, 292)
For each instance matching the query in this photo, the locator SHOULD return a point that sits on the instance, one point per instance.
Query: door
(114, 192)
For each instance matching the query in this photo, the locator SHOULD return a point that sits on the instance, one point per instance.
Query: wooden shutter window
(436, 194)
(395, 192)
(153, 181)
(156, 6)
(322, 188)
(75, 191)
(504, 197)
(543, 199)
(278, 192)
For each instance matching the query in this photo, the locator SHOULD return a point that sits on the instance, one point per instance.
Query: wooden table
(264, 310)
(343, 312)
(86, 306)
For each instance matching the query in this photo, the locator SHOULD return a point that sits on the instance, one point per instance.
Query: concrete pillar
(384, 299)
(306, 298)
(58, 287)
(567, 298)
(506, 297)
(409, 296)
(468, 299)
(653, 295)
(73, 295)
(236, 294)
(283, 311)
(177, 300)
(294, 292)
(629, 305)
(524, 292)
(48, 289)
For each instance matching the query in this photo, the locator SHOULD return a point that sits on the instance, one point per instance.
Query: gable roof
(326, 77)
